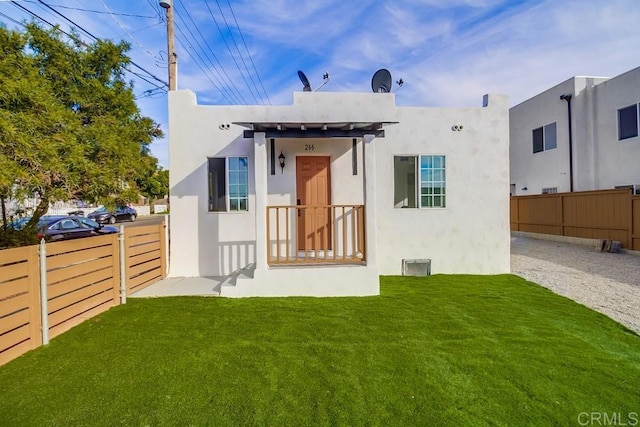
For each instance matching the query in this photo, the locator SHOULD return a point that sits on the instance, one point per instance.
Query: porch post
(260, 171)
(370, 219)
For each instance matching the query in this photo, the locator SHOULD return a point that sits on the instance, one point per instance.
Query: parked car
(66, 227)
(122, 213)
(79, 212)
(19, 223)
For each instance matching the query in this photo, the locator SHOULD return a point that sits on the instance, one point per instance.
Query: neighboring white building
(365, 185)
(604, 136)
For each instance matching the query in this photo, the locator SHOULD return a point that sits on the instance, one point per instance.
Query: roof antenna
(306, 86)
(325, 78)
(399, 83)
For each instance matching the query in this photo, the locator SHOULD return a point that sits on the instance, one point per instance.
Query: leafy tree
(152, 180)
(69, 124)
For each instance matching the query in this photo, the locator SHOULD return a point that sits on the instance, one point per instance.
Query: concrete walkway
(183, 286)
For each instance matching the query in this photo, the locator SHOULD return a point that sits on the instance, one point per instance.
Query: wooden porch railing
(325, 234)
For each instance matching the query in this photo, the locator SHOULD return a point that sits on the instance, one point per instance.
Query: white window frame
(227, 184)
(544, 137)
(418, 177)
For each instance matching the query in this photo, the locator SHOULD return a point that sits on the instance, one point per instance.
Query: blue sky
(448, 52)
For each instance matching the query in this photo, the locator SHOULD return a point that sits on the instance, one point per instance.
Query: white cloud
(449, 52)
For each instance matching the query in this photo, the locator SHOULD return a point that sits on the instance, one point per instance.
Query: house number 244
(309, 147)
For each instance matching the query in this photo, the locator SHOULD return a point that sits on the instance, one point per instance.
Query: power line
(151, 75)
(117, 21)
(155, 7)
(239, 53)
(204, 72)
(248, 53)
(94, 11)
(219, 78)
(74, 38)
(150, 93)
(13, 20)
(207, 75)
(229, 49)
(223, 82)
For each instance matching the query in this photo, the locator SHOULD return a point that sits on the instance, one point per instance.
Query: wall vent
(416, 267)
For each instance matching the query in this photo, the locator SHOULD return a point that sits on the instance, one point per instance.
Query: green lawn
(445, 350)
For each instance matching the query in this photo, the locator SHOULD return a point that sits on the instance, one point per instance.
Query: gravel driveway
(605, 282)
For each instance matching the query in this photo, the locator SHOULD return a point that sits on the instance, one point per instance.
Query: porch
(316, 234)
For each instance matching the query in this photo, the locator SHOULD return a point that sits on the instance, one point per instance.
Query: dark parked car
(122, 213)
(70, 227)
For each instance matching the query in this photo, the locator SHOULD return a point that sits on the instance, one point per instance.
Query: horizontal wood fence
(82, 280)
(145, 258)
(20, 320)
(605, 214)
(45, 290)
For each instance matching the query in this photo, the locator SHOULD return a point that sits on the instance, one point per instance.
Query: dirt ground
(605, 282)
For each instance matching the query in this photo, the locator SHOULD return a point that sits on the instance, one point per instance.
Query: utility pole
(171, 52)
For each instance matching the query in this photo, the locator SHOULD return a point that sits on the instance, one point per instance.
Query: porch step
(246, 273)
(308, 280)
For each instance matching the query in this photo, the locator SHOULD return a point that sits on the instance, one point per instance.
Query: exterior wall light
(281, 158)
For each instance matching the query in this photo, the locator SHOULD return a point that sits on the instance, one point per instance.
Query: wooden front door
(313, 189)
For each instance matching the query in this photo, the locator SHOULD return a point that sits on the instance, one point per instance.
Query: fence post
(562, 196)
(35, 320)
(166, 245)
(123, 267)
(44, 306)
(632, 232)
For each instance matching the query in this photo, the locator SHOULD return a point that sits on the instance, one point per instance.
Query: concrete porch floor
(183, 286)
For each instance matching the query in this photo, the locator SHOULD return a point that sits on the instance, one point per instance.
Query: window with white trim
(228, 179)
(545, 138)
(550, 190)
(419, 181)
(628, 122)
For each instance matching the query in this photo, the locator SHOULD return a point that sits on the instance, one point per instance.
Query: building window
(550, 190)
(228, 184)
(545, 138)
(419, 181)
(628, 122)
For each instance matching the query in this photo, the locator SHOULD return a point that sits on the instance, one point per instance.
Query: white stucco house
(322, 196)
(579, 135)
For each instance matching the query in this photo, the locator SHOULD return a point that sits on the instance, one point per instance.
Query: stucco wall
(618, 162)
(205, 243)
(470, 235)
(600, 161)
(535, 171)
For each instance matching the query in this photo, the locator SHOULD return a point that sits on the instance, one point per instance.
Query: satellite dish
(381, 81)
(305, 81)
